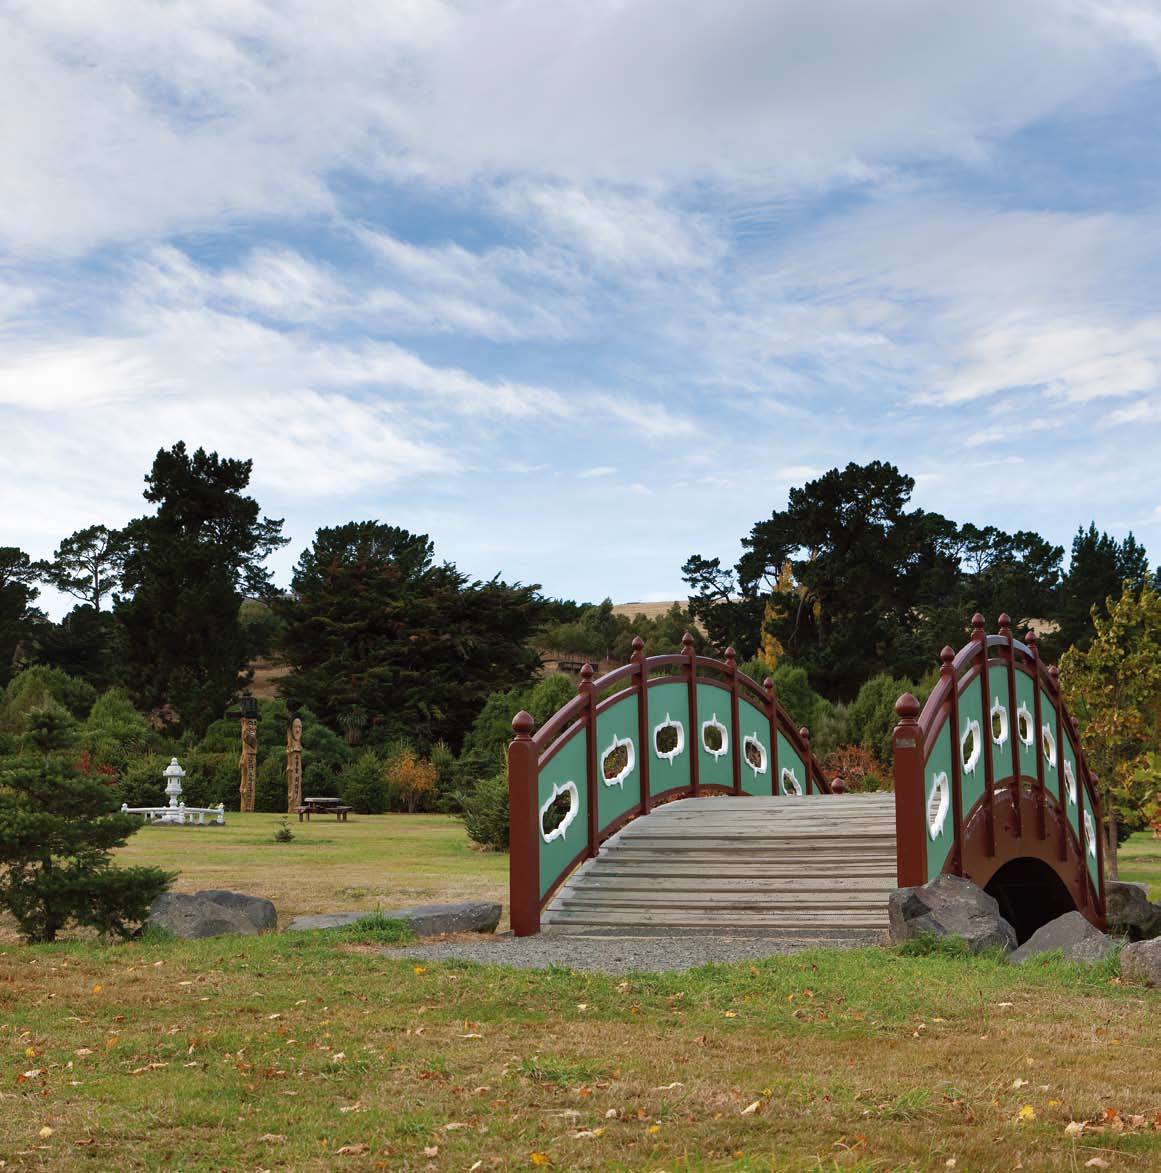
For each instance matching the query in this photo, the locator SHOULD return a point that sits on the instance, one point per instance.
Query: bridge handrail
(533, 749)
(918, 733)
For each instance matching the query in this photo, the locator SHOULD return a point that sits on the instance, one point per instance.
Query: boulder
(1129, 913)
(425, 920)
(1076, 937)
(428, 920)
(195, 917)
(949, 906)
(1141, 962)
(325, 920)
(259, 911)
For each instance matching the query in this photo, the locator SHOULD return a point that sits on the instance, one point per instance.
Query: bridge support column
(523, 829)
(910, 795)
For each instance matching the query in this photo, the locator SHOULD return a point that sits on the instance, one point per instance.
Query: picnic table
(318, 805)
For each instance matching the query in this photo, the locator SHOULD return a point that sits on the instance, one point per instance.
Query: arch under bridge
(675, 794)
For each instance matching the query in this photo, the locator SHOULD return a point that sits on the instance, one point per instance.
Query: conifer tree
(57, 828)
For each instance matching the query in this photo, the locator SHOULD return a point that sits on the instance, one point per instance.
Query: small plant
(377, 926)
(283, 834)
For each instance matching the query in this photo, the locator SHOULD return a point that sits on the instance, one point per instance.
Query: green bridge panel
(756, 725)
(1026, 701)
(1090, 857)
(714, 769)
(939, 762)
(616, 726)
(567, 766)
(669, 702)
(790, 759)
(1051, 757)
(1001, 749)
(1072, 793)
(972, 782)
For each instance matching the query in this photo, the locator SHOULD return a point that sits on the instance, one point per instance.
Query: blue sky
(582, 288)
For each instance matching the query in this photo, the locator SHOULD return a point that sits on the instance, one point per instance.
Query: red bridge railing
(657, 728)
(992, 770)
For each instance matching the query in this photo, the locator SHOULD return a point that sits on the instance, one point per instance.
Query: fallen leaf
(45, 1132)
(1019, 1083)
(750, 1109)
(421, 969)
(81, 1052)
(1026, 1113)
(431, 1150)
(730, 1014)
(453, 1126)
(1096, 1163)
(1005, 1005)
(540, 1159)
(97, 989)
(272, 1138)
(354, 1150)
(653, 1129)
(611, 1114)
(1074, 1128)
(668, 1087)
(588, 1134)
(582, 1005)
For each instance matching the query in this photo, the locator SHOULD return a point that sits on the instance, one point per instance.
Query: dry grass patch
(304, 1052)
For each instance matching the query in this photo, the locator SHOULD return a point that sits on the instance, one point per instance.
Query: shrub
(115, 732)
(141, 783)
(37, 687)
(270, 789)
(871, 720)
(485, 812)
(857, 768)
(363, 784)
(410, 779)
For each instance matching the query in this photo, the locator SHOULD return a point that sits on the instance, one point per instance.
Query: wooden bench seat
(340, 812)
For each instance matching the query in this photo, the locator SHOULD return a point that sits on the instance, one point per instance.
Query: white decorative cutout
(1048, 745)
(724, 748)
(679, 746)
(1069, 782)
(938, 802)
(972, 730)
(1024, 725)
(752, 739)
(998, 711)
(618, 779)
(1090, 844)
(561, 829)
(790, 783)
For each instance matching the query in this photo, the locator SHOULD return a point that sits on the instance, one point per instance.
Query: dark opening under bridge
(744, 833)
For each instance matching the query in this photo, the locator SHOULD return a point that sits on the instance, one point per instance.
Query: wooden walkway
(818, 867)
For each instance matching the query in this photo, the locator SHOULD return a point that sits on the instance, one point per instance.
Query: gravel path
(621, 954)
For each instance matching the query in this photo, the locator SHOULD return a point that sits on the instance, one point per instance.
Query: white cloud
(600, 471)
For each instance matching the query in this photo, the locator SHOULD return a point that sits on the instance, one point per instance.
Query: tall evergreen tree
(88, 564)
(386, 642)
(187, 569)
(1097, 571)
(19, 619)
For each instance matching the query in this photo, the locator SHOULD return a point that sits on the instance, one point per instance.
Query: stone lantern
(173, 774)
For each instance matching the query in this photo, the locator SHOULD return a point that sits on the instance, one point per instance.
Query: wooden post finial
(907, 708)
(523, 724)
(979, 625)
(947, 658)
(687, 643)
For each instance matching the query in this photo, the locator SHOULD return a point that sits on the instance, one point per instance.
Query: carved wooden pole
(523, 829)
(694, 731)
(772, 701)
(293, 758)
(980, 635)
(735, 721)
(248, 761)
(644, 744)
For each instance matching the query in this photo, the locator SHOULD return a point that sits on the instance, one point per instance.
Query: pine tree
(186, 571)
(57, 828)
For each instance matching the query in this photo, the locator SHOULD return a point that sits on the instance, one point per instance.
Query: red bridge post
(910, 798)
(524, 829)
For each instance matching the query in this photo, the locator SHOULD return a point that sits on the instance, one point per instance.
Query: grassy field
(369, 862)
(305, 1052)
(313, 1051)
(1139, 859)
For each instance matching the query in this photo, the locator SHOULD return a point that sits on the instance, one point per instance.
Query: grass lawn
(1139, 859)
(371, 861)
(316, 1051)
(308, 1052)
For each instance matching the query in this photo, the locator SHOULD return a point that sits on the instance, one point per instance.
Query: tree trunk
(1111, 841)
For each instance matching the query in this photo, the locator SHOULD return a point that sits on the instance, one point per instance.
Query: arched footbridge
(675, 795)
